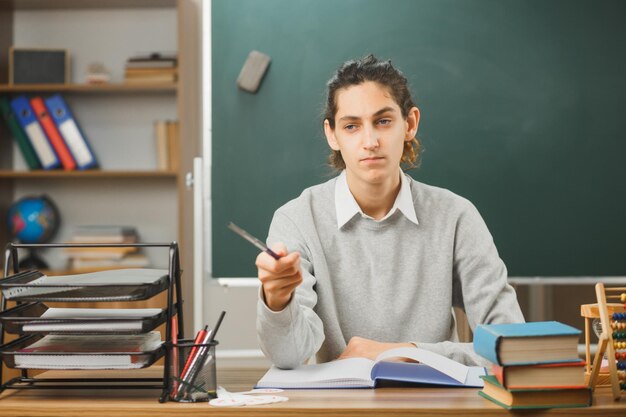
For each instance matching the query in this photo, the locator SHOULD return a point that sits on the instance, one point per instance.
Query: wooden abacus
(612, 341)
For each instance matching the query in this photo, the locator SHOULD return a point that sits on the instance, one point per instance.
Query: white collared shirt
(346, 206)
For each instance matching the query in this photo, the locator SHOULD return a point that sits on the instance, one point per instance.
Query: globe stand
(33, 261)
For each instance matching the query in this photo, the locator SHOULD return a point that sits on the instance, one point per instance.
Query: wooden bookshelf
(90, 88)
(86, 174)
(83, 4)
(86, 194)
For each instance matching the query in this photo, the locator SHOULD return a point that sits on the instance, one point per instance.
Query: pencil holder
(192, 371)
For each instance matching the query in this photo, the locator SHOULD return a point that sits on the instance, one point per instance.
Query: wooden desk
(346, 403)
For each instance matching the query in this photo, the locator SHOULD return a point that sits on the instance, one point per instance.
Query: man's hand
(359, 347)
(279, 278)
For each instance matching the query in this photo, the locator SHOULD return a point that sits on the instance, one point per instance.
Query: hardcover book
(549, 375)
(526, 398)
(527, 343)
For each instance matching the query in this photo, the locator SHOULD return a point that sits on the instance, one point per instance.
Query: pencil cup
(192, 371)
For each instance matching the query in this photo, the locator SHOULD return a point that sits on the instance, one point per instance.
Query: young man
(373, 259)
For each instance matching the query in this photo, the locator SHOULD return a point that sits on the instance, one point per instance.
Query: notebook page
(339, 373)
(444, 365)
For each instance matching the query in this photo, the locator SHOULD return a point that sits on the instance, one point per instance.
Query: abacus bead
(624, 356)
(622, 297)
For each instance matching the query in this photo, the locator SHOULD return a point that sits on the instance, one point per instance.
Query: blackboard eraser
(253, 71)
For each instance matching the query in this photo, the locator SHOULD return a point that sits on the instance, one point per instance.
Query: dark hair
(357, 72)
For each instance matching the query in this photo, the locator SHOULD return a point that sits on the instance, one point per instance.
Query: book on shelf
(34, 132)
(23, 143)
(152, 60)
(432, 369)
(173, 143)
(91, 319)
(151, 68)
(74, 136)
(167, 144)
(527, 343)
(93, 352)
(129, 261)
(105, 234)
(529, 398)
(548, 375)
(111, 252)
(53, 134)
(162, 146)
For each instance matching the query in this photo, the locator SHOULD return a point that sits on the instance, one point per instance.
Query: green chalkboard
(523, 112)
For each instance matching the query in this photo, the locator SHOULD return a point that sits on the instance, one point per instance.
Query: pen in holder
(192, 371)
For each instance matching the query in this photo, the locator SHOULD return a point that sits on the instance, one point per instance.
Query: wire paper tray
(27, 318)
(114, 285)
(13, 358)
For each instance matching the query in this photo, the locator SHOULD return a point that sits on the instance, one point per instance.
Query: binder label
(41, 145)
(72, 135)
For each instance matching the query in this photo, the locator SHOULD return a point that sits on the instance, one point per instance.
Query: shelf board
(83, 4)
(89, 88)
(86, 174)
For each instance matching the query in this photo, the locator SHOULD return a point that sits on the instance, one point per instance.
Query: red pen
(174, 330)
(199, 338)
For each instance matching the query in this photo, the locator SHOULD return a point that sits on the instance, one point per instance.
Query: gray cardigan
(390, 280)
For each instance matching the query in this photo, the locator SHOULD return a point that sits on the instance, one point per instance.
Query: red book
(55, 138)
(564, 375)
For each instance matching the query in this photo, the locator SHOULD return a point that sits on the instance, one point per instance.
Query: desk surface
(347, 403)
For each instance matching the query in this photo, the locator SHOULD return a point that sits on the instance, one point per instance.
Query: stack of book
(152, 68)
(536, 365)
(102, 258)
(47, 133)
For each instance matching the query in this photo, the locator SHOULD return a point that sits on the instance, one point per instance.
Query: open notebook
(432, 369)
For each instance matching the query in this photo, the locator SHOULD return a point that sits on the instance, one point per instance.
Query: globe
(33, 219)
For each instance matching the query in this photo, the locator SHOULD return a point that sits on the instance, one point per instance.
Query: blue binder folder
(72, 134)
(34, 132)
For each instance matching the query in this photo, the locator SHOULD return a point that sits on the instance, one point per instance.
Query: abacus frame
(605, 342)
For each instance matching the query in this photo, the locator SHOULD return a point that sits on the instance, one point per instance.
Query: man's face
(369, 132)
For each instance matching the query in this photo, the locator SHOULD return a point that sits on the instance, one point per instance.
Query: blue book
(72, 134)
(27, 120)
(433, 370)
(527, 343)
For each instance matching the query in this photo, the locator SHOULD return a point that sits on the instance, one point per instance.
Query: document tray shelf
(15, 319)
(29, 289)
(77, 293)
(138, 359)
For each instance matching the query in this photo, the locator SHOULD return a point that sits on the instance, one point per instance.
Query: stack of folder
(152, 68)
(536, 365)
(47, 133)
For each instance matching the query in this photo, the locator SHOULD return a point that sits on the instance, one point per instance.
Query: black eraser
(253, 71)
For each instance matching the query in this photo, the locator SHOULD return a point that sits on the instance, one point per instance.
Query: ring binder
(35, 347)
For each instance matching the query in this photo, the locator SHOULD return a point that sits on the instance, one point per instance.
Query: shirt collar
(346, 206)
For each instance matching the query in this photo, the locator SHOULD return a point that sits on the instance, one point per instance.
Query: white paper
(444, 365)
(128, 314)
(112, 277)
